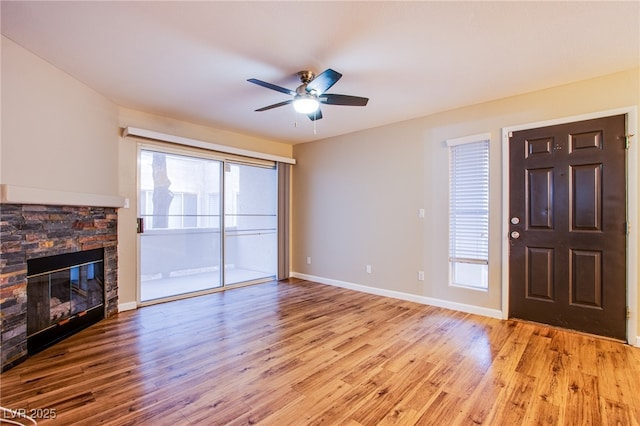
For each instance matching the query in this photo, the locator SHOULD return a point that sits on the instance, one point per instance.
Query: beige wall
(356, 197)
(57, 133)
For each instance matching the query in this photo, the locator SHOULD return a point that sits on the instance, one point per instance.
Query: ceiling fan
(311, 93)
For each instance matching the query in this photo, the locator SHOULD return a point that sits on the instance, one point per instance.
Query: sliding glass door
(182, 247)
(250, 244)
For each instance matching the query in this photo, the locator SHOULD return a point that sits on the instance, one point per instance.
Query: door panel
(179, 202)
(586, 193)
(250, 223)
(540, 194)
(540, 275)
(567, 257)
(538, 147)
(586, 278)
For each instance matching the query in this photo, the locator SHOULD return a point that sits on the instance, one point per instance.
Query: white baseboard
(127, 306)
(637, 345)
(462, 307)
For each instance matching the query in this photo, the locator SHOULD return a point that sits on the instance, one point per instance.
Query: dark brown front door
(567, 260)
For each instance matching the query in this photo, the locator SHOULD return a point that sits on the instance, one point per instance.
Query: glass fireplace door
(179, 206)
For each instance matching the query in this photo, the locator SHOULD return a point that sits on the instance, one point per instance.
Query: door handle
(515, 235)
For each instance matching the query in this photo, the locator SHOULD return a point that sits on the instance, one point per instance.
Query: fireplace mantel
(13, 194)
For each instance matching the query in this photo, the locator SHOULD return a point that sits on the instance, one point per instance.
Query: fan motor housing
(306, 76)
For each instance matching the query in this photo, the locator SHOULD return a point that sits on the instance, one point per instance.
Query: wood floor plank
(583, 400)
(297, 353)
(615, 413)
(442, 411)
(301, 411)
(389, 393)
(364, 393)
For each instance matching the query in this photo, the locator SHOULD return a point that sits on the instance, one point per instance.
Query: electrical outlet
(420, 275)
(368, 269)
(308, 260)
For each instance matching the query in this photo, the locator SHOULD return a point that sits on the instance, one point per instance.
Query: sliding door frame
(224, 159)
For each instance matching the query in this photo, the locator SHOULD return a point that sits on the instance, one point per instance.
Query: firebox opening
(65, 294)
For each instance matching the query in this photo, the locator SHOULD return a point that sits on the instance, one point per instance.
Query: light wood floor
(300, 353)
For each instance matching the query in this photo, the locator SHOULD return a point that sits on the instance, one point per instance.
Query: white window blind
(469, 210)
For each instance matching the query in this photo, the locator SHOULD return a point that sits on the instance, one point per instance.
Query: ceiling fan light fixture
(308, 96)
(306, 104)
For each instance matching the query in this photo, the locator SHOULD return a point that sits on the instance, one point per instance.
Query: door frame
(224, 158)
(633, 190)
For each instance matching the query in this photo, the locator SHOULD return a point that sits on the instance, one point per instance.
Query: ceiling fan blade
(279, 104)
(335, 99)
(271, 86)
(316, 115)
(323, 81)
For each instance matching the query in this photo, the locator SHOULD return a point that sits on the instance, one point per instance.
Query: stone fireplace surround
(31, 231)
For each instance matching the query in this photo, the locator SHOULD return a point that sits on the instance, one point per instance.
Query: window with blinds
(469, 211)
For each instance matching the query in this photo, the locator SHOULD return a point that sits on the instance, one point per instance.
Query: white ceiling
(191, 60)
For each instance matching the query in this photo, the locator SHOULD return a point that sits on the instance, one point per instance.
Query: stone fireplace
(36, 232)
